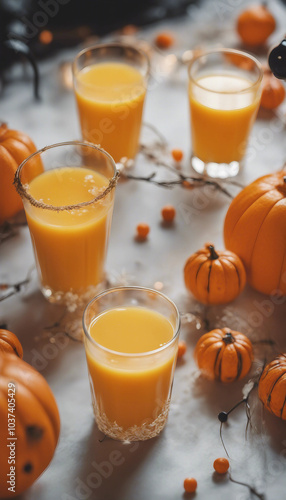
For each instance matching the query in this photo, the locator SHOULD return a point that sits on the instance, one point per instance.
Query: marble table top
(189, 444)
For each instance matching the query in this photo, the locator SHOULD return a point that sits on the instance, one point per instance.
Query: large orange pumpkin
(37, 424)
(213, 276)
(255, 229)
(272, 386)
(224, 355)
(15, 147)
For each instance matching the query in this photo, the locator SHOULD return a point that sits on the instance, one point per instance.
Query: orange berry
(187, 185)
(143, 230)
(221, 465)
(177, 154)
(168, 213)
(46, 37)
(190, 484)
(182, 347)
(129, 29)
(164, 40)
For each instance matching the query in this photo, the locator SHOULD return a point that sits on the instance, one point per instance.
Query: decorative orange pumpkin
(273, 91)
(9, 343)
(255, 229)
(255, 25)
(214, 277)
(272, 386)
(224, 355)
(15, 147)
(37, 425)
(240, 60)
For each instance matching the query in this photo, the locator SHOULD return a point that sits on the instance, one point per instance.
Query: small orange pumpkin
(214, 277)
(255, 25)
(272, 386)
(224, 355)
(15, 147)
(273, 91)
(9, 343)
(37, 423)
(240, 60)
(255, 229)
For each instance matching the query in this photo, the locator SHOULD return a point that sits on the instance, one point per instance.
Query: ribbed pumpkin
(224, 355)
(255, 229)
(255, 24)
(272, 386)
(37, 423)
(214, 277)
(273, 91)
(15, 147)
(9, 343)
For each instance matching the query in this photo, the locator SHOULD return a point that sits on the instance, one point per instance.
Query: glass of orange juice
(224, 95)
(110, 82)
(69, 207)
(131, 342)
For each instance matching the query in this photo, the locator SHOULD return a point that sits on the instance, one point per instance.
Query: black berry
(222, 416)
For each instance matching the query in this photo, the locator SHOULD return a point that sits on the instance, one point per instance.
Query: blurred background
(71, 21)
(33, 29)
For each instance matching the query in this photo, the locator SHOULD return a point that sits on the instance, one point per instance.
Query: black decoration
(277, 60)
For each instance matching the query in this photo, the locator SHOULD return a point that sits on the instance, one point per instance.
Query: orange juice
(69, 245)
(110, 98)
(131, 392)
(222, 115)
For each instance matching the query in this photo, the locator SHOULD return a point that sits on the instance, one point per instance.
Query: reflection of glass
(110, 85)
(69, 208)
(224, 93)
(131, 342)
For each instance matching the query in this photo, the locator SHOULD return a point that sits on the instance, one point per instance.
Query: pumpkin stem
(282, 186)
(228, 338)
(213, 255)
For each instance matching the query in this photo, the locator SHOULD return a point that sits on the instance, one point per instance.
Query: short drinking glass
(110, 82)
(68, 206)
(131, 343)
(224, 95)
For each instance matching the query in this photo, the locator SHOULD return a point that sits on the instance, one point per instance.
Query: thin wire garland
(223, 416)
(156, 154)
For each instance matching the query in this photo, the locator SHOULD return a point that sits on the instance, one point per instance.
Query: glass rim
(112, 45)
(22, 190)
(132, 354)
(227, 51)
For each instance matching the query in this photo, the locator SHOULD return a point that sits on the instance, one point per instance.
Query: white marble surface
(190, 442)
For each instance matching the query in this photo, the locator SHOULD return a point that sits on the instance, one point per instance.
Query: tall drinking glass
(224, 95)
(68, 207)
(131, 343)
(110, 82)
